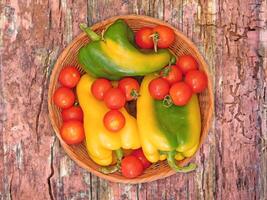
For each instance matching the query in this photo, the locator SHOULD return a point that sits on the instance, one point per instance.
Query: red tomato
(165, 34)
(64, 97)
(100, 87)
(197, 80)
(180, 93)
(74, 112)
(131, 167)
(143, 38)
(114, 120)
(72, 132)
(187, 63)
(138, 153)
(130, 88)
(114, 98)
(158, 88)
(69, 77)
(172, 74)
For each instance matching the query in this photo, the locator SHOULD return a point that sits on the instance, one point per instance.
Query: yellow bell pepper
(100, 142)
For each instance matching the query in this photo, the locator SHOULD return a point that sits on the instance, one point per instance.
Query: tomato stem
(167, 101)
(166, 71)
(155, 38)
(134, 94)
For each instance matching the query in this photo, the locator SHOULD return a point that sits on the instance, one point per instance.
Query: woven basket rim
(68, 150)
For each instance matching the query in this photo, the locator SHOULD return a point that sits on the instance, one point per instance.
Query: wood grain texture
(231, 35)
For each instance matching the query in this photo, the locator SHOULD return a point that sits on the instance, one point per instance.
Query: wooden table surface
(230, 34)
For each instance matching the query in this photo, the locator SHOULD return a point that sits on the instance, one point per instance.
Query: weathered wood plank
(231, 35)
(262, 118)
(33, 35)
(67, 181)
(26, 134)
(238, 92)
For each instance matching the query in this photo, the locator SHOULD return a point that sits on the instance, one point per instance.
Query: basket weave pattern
(69, 57)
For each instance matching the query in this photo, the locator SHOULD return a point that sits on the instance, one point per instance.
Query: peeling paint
(19, 155)
(11, 22)
(26, 21)
(227, 34)
(65, 166)
(2, 21)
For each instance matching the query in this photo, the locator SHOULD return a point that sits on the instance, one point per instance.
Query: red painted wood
(231, 35)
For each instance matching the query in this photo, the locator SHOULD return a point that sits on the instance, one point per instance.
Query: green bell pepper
(115, 55)
(171, 131)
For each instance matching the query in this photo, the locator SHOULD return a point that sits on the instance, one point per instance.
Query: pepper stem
(119, 155)
(109, 170)
(172, 164)
(114, 168)
(92, 35)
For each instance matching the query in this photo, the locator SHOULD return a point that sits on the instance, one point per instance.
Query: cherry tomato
(197, 80)
(131, 167)
(114, 120)
(114, 98)
(130, 88)
(72, 132)
(69, 77)
(180, 93)
(64, 97)
(143, 38)
(138, 153)
(172, 74)
(165, 34)
(72, 113)
(158, 88)
(100, 87)
(186, 63)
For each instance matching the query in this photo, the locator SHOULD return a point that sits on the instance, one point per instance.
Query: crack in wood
(49, 21)
(228, 30)
(50, 190)
(163, 10)
(33, 80)
(91, 188)
(43, 89)
(187, 189)
(10, 188)
(227, 45)
(203, 174)
(97, 192)
(137, 191)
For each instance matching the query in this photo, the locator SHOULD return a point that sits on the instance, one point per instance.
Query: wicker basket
(78, 153)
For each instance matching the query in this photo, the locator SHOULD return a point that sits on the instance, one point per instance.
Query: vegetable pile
(132, 70)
